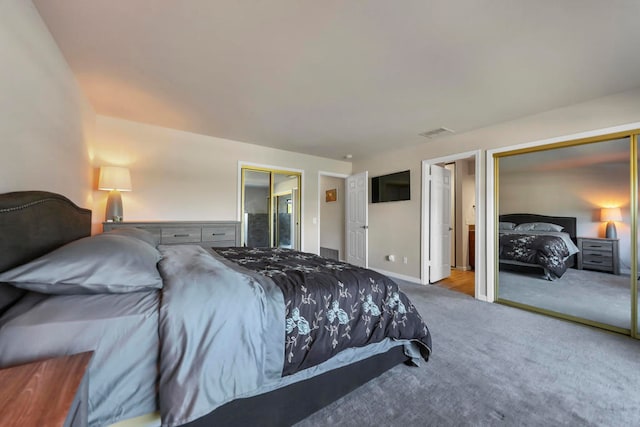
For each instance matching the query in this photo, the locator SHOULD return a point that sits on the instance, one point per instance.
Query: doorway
(270, 206)
(464, 273)
(331, 214)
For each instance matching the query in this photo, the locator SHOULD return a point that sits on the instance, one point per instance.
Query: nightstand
(51, 392)
(599, 254)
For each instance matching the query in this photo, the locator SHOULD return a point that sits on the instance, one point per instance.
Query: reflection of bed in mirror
(530, 242)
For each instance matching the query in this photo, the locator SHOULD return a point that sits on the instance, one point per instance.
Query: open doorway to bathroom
(462, 178)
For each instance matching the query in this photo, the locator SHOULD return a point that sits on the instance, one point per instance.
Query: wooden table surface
(41, 393)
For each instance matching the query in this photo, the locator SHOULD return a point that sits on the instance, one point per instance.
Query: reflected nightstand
(599, 254)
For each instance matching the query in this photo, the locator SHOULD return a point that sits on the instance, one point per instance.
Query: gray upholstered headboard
(33, 223)
(569, 223)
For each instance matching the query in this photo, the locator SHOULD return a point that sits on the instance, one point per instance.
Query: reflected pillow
(105, 263)
(538, 226)
(506, 225)
(137, 233)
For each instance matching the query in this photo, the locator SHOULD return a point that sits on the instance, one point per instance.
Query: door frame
(344, 176)
(480, 278)
(244, 164)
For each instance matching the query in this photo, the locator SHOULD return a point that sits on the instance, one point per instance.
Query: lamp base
(114, 207)
(611, 232)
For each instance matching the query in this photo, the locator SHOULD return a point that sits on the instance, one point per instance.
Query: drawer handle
(218, 234)
(597, 255)
(596, 246)
(180, 235)
(596, 262)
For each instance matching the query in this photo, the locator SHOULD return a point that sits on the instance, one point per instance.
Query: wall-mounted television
(391, 188)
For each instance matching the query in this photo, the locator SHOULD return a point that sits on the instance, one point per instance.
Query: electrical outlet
(391, 258)
(405, 260)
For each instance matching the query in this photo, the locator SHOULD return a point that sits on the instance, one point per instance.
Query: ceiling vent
(434, 133)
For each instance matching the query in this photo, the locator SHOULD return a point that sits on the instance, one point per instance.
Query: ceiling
(336, 77)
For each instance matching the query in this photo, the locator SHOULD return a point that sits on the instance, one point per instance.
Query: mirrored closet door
(270, 208)
(564, 231)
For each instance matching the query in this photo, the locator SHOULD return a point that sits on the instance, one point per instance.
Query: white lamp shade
(610, 214)
(114, 178)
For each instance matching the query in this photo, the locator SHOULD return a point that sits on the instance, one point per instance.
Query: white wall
(395, 227)
(46, 123)
(178, 175)
(332, 215)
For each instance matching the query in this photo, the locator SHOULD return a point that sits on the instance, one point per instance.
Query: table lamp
(114, 179)
(610, 215)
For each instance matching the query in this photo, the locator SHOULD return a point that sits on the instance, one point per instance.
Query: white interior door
(357, 214)
(439, 223)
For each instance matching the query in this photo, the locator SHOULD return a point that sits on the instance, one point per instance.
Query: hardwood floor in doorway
(459, 281)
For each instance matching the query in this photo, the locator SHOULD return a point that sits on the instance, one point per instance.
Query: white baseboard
(398, 275)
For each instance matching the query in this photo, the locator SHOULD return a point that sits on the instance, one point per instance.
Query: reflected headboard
(33, 223)
(568, 222)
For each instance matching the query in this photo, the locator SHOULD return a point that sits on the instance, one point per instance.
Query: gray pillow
(538, 226)
(137, 233)
(105, 263)
(506, 225)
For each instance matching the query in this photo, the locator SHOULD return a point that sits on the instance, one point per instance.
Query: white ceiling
(336, 77)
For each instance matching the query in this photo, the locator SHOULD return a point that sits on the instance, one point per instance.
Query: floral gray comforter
(226, 332)
(332, 305)
(547, 251)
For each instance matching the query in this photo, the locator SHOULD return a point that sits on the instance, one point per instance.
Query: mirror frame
(272, 172)
(634, 139)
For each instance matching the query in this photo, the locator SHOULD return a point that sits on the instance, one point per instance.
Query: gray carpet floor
(591, 295)
(498, 365)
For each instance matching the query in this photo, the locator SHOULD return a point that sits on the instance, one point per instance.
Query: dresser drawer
(156, 231)
(220, 244)
(589, 256)
(181, 235)
(597, 245)
(598, 266)
(219, 234)
(597, 260)
(604, 263)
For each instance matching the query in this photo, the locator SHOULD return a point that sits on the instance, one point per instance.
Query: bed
(532, 241)
(188, 331)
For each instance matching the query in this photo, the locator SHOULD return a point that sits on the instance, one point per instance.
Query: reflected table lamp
(610, 215)
(114, 179)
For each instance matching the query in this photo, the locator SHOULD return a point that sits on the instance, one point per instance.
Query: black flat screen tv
(391, 188)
